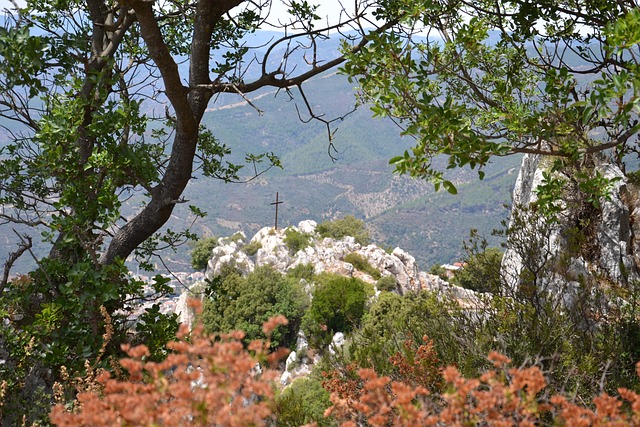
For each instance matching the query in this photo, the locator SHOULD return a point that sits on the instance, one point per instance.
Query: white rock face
(324, 254)
(228, 253)
(186, 314)
(615, 231)
(308, 226)
(337, 342)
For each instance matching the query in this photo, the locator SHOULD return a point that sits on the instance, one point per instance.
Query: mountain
(355, 179)
(399, 211)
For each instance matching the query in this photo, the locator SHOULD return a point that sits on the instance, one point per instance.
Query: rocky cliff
(601, 242)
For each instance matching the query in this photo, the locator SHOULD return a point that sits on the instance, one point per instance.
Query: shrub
(251, 248)
(206, 380)
(481, 272)
(439, 270)
(238, 236)
(338, 305)
(347, 226)
(360, 263)
(302, 271)
(201, 252)
(296, 240)
(303, 402)
(386, 284)
(173, 393)
(243, 303)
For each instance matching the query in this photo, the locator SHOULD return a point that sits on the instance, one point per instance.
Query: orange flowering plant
(213, 380)
(205, 380)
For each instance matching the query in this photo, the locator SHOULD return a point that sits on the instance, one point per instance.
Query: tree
(237, 303)
(201, 252)
(101, 102)
(481, 271)
(476, 80)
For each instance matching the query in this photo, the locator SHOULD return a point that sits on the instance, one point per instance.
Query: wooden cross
(277, 202)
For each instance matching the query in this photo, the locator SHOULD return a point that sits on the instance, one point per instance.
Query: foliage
(302, 403)
(96, 111)
(251, 248)
(296, 240)
(347, 226)
(243, 303)
(387, 283)
(42, 331)
(500, 78)
(164, 393)
(481, 271)
(440, 271)
(236, 237)
(500, 396)
(338, 305)
(205, 380)
(361, 263)
(302, 271)
(156, 330)
(553, 322)
(202, 252)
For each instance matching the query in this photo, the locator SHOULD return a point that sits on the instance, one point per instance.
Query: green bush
(571, 343)
(386, 284)
(201, 252)
(347, 226)
(338, 305)
(235, 237)
(483, 264)
(296, 240)
(251, 248)
(302, 271)
(360, 263)
(302, 403)
(245, 303)
(439, 270)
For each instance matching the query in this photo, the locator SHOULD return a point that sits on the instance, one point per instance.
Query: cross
(277, 202)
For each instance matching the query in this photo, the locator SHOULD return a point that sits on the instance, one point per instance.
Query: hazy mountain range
(399, 211)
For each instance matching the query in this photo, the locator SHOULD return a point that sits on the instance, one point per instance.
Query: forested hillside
(400, 211)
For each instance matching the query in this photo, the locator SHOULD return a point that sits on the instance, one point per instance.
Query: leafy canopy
(476, 80)
(244, 303)
(101, 108)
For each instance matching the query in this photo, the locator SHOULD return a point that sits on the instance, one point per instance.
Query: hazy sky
(327, 8)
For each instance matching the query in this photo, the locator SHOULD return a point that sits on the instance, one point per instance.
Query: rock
(337, 342)
(308, 226)
(186, 314)
(228, 253)
(302, 344)
(614, 231)
(614, 235)
(291, 362)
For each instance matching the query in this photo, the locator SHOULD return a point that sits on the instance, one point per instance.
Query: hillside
(400, 211)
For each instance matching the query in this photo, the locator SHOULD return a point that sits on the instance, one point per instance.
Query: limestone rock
(614, 238)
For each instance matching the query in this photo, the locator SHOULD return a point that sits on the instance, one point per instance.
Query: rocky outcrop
(325, 254)
(610, 247)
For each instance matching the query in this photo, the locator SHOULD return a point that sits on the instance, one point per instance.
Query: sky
(327, 8)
